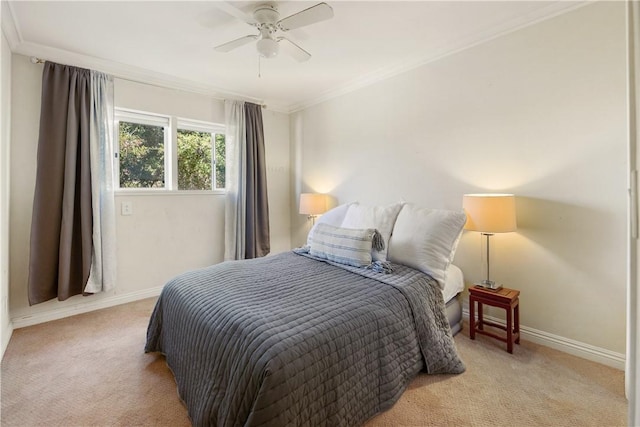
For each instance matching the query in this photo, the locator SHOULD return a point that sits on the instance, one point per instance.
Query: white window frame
(205, 127)
(171, 125)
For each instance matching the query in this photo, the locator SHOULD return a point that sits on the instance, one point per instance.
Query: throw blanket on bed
(289, 340)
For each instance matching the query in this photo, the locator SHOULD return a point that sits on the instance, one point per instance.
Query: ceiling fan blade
(295, 51)
(233, 44)
(234, 11)
(317, 13)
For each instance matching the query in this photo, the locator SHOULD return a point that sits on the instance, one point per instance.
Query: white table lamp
(313, 204)
(490, 214)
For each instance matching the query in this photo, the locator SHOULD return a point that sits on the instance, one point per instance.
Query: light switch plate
(126, 208)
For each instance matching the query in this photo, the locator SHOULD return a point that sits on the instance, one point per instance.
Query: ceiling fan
(266, 19)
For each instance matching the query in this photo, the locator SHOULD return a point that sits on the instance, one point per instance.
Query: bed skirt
(453, 311)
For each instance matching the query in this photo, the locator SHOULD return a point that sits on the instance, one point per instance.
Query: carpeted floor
(91, 369)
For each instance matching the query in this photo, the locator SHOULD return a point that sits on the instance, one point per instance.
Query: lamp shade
(313, 203)
(490, 213)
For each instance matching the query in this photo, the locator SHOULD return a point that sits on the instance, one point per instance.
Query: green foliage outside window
(141, 156)
(194, 160)
(221, 160)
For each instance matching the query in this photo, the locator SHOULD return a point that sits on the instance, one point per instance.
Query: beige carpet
(90, 370)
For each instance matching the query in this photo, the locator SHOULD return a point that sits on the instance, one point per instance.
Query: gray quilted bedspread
(289, 340)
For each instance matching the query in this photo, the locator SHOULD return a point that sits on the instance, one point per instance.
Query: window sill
(162, 192)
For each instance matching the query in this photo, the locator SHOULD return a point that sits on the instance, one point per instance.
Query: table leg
(516, 311)
(472, 318)
(510, 330)
(480, 317)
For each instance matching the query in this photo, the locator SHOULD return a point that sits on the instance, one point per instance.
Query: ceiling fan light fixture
(268, 48)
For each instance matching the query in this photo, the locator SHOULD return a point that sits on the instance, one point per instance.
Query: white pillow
(426, 239)
(333, 217)
(381, 218)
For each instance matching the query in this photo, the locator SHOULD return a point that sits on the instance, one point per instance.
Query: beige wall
(5, 136)
(167, 234)
(540, 112)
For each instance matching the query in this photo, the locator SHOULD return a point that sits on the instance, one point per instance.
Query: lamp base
(489, 284)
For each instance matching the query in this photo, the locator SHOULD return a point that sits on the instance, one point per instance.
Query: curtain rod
(35, 60)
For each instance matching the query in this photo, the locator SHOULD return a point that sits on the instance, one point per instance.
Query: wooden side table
(509, 299)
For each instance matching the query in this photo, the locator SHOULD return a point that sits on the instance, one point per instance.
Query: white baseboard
(566, 345)
(6, 336)
(20, 321)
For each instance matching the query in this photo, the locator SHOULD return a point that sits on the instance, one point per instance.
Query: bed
(453, 286)
(298, 339)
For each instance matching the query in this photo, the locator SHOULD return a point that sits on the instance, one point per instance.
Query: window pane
(220, 160)
(141, 156)
(194, 160)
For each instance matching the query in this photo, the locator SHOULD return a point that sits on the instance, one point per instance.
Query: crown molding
(494, 32)
(127, 72)
(18, 45)
(9, 24)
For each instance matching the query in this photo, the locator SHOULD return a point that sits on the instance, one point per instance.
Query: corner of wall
(5, 136)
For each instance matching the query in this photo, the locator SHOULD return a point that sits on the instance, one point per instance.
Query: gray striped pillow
(349, 246)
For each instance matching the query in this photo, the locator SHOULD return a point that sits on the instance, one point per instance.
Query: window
(141, 153)
(201, 156)
(151, 155)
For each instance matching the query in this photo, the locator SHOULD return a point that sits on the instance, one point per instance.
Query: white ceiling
(171, 42)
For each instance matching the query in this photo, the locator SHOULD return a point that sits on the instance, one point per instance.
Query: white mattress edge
(454, 284)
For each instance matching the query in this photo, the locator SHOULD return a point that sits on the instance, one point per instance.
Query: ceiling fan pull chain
(259, 71)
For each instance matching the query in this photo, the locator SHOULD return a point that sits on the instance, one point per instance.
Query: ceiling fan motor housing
(266, 14)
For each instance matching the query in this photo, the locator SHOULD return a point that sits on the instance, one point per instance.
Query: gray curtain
(257, 243)
(61, 227)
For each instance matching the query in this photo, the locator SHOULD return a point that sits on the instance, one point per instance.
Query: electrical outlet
(126, 208)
